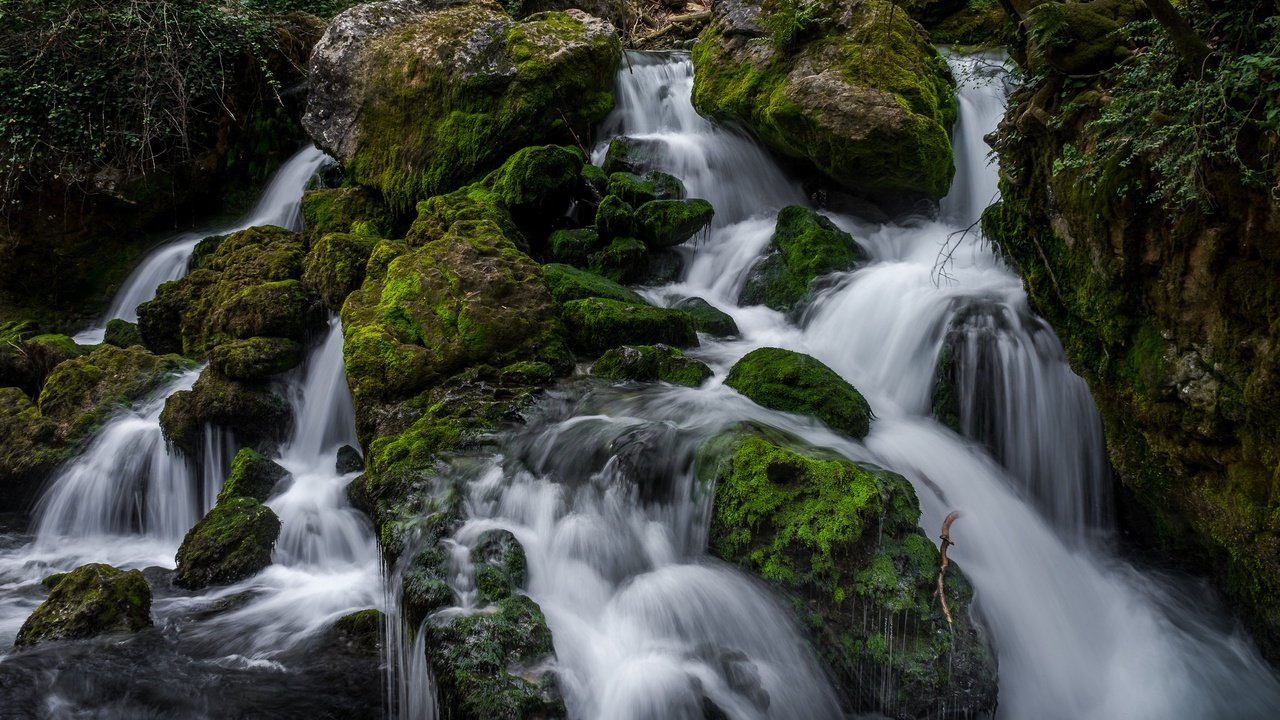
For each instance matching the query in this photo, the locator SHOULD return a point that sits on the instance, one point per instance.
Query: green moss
(707, 318)
(629, 155)
(256, 358)
(354, 209)
(597, 324)
(335, 266)
(624, 259)
(666, 223)
(614, 218)
(473, 202)
(428, 128)
(253, 475)
(122, 333)
(231, 543)
(361, 630)
(30, 449)
(805, 247)
(569, 283)
(501, 566)
(537, 181)
(636, 190)
(793, 382)
(1079, 38)
(597, 178)
(649, 363)
(251, 410)
(82, 392)
(891, 134)
(574, 247)
(89, 601)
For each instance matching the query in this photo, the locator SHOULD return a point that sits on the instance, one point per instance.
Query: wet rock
(346, 210)
(536, 184)
(643, 457)
(89, 601)
(500, 565)
(805, 247)
(349, 460)
(568, 283)
(793, 382)
(360, 632)
(667, 223)
(416, 99)
(27, 357)
(82, 392)
(597, 324)
(256, 358)
(654, 185)
(841, 541)
(707, 318)
(122, 333)
(574, 247)
(615, 218)
(651, 363)
(664, 267)
(631, 155)
(624, 259)
(233, 542)
(253, 475)
(336, 265)
(252, 411)
(808, 90)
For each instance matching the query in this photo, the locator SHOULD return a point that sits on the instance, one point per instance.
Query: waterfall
(280, 204)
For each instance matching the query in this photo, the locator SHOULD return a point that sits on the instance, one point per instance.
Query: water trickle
(280, 204)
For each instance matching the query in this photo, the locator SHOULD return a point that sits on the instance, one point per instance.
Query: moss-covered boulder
(361, 631)
(638, 190)
(841, 541)
(27, 356)
(707, 318)
(805, 247)
(122, 333)
(536, 184)
(481, 663)
(253, 475)
(351, 210)
(793, 382)
(569, 283)
(248, 287)
(856, 89)
(500, 563)
(624, 259)
(651, 363)
(232, 542)
(91, 600)
(82, 392)
(256, 358)
(573, 246)
(253, 411)
(416, 99)
(469, 298)
(336, 265)
(615, 217)
(666, 223)
(29, 449)
(597, 324)
(1079, 38)
(631, 155)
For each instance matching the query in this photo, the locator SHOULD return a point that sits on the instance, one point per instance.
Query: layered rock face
(854, 88)
(416, 98)
(1167, 306)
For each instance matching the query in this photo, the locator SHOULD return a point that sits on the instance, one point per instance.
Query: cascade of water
(280, 204)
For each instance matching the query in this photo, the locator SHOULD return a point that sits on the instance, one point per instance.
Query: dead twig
(942, 570)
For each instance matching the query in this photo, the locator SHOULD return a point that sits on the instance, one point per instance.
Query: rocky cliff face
(1163, 287)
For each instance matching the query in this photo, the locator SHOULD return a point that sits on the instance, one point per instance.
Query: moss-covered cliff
(1140, 207)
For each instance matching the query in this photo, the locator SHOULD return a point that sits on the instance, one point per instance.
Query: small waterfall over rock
(280, 204)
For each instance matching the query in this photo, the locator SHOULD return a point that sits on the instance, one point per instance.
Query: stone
(232, 542)
(89, 601)
(651, 363)
(794, 382)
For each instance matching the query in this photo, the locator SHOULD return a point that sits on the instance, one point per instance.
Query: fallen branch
(942, 570)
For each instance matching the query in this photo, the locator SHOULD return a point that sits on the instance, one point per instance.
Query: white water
(280, 204)
(642, 621)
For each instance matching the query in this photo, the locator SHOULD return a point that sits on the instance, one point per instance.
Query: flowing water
(601, 492)
(280, 204)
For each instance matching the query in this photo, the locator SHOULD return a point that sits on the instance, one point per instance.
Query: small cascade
(125, 483)
(217, 451)
(280, 204)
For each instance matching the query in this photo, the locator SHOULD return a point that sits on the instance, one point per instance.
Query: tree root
(942, 570)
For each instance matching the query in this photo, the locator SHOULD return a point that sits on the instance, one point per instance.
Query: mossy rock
(841, 541)
(630, 155)
(490, 665)
(597, 324)
(249, 287)
(597, 178)
(574, 247)
(89, 601)
(336, 266)
(256, 358)
(863, 96)
(707, 318)
(122, 333)
(252, 411)
(637, 190)
(361, 631)
(569, 283)
(351, 210)
(27, 357)
(349, 460)
(797, 383)
(614, 218)
(30, 450)
(474, 202)
(1080, 38)
(417, 100)
(233, 542)
(536, 184)
(651, 363)
(805, 247)
(82, 392)
(253, 475)
(500, 563)
(667, 223)
(624, 259)
(468, 298)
